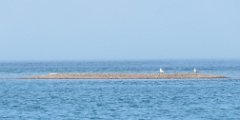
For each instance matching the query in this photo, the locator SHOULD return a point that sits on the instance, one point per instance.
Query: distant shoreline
(125, 76)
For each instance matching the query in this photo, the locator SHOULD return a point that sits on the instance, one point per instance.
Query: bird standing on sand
(195, 70)
(161, 71)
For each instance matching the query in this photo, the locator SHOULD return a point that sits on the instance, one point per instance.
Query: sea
(120, 99)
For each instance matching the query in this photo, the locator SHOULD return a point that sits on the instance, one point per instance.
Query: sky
(119, 29)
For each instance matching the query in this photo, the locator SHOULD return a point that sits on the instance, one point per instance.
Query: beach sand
(125, 76)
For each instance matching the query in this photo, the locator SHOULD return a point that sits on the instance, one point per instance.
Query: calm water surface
(120, 99)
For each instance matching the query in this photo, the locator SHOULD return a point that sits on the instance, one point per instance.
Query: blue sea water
(215, 99)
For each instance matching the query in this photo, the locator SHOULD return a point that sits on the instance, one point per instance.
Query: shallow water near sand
(119, 99)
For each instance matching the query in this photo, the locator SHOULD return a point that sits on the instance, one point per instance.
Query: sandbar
(125, 76)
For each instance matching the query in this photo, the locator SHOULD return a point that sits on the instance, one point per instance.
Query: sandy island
(125, 76)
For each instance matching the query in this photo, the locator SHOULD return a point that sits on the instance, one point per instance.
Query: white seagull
(195, 70)
(161, 71)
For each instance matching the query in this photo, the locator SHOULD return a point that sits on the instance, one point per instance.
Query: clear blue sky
(119, 29)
